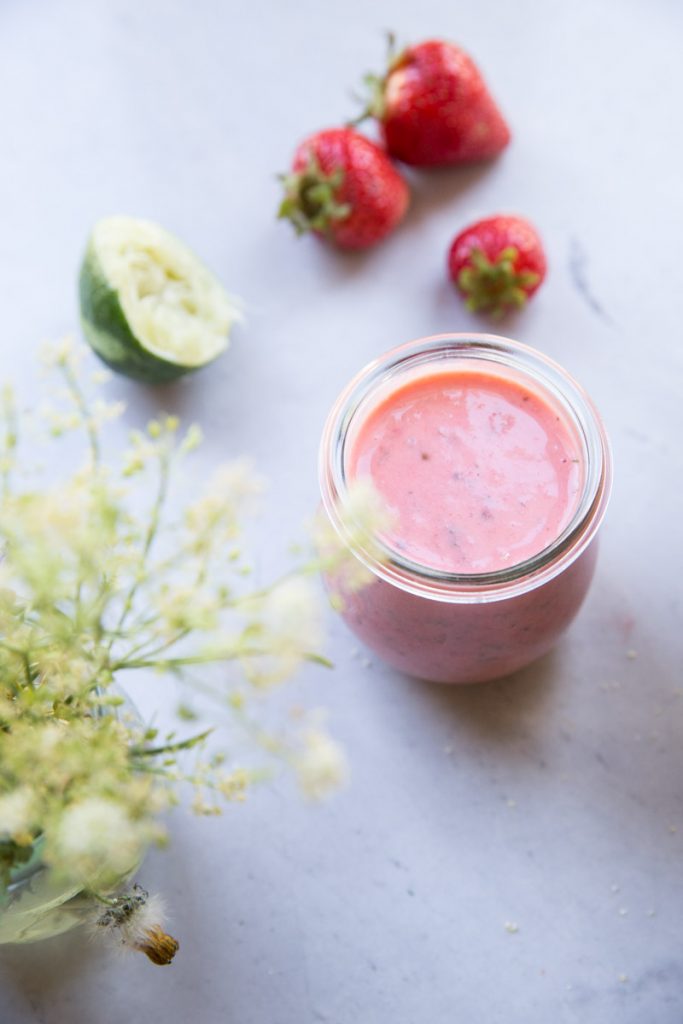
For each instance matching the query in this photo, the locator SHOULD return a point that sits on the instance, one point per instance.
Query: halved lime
(149, 306)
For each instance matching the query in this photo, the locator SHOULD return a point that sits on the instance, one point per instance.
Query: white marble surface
(551, 799)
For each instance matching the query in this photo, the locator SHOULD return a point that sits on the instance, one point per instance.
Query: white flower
(97, 841)
(16, 813)
(102, 412)
(291, 616)
(230, 492)
(48, 738)
(286, 625)
(363, 518)
(64, 352)
(193, 438)
(185, 607)
(321, 766)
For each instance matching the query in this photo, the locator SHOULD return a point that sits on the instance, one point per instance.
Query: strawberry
(434, 108)
(497, 264)
(344, 187)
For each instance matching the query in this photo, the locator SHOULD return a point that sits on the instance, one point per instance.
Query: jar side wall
(456, 643)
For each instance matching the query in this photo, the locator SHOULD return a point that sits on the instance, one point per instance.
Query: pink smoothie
(497, 470)
(479, 471)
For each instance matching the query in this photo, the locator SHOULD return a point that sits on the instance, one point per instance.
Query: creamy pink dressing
(479, 471)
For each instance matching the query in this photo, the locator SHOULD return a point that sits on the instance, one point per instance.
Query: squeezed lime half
(149, 307)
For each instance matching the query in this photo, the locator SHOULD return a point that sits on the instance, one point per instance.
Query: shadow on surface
(39, 971)
(497, 711)
(146, 401)
(432, 190)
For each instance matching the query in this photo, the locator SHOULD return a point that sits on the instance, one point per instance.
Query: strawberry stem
(373, 97)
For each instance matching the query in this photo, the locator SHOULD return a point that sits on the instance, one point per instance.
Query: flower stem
(152, 530)
(82, 406)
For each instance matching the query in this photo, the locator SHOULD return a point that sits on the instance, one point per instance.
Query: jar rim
(547, 375)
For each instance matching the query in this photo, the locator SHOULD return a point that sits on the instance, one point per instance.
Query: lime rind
(149, 306)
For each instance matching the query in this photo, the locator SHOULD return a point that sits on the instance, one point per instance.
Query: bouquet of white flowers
(92, 589)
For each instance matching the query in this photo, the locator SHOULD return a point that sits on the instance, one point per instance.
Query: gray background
(551, 799)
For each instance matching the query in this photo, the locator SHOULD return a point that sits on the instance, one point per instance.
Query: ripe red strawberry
(434, 108)
(344, 187)
(497, 264)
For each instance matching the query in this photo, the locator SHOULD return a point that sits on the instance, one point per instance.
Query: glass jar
(467, 627)
(38, 904)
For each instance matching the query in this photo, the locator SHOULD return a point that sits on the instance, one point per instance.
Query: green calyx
(373, 100)
(373, 96)
(310, 201)
(495, 286)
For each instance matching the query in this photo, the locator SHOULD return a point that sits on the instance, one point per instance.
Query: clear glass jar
(467, 627)
(38, 904)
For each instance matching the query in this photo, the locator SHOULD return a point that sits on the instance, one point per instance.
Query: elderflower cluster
(91, 589)
(284, 628)
(99, 841)
(16, 814)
